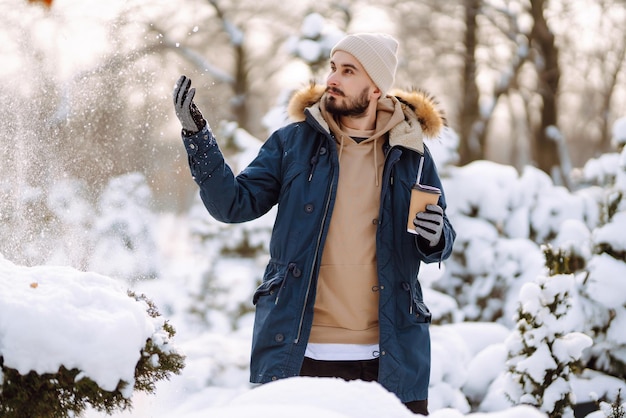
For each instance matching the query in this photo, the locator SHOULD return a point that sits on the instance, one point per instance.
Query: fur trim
(425, 107)
(304, 98)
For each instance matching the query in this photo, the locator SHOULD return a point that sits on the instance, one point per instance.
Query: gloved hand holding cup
(425, 216)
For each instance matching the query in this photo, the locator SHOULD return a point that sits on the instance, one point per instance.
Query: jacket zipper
(314, 263)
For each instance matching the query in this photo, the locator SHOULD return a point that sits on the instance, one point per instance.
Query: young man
(340, 295)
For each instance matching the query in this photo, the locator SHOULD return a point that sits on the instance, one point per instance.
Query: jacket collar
(422, 118)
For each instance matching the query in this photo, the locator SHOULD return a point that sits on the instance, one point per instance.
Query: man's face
(349, 89)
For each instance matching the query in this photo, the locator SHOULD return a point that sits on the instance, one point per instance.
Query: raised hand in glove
(186, 110)
(429, 224)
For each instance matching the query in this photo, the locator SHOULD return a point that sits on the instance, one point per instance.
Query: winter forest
(120, 295)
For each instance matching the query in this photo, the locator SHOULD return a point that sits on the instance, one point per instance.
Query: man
(340, 295)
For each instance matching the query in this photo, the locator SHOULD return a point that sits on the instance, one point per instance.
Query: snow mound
(315, 397)
(58, 316)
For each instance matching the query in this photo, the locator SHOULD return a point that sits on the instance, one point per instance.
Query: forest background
(522, 82)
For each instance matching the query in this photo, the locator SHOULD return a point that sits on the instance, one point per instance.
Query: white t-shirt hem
(341, 352)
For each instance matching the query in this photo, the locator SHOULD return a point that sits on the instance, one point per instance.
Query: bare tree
(471, 127)
(240, 51)
(594, 84)
(546, 60)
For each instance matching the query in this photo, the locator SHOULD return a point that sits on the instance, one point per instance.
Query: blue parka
(297, 169)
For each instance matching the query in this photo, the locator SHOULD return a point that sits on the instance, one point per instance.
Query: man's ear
(376, 93)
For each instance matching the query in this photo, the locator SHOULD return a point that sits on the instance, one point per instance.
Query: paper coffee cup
(420, 197)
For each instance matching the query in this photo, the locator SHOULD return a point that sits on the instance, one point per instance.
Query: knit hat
(377, 53)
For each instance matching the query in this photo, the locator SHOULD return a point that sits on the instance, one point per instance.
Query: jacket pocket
(422, 313)
(272, 282)
(267, 288)
(410, 310)
(275, 280)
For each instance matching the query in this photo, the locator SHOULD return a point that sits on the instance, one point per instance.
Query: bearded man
(340, 295)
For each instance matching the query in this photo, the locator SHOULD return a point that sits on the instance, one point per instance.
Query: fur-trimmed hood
(422, 117)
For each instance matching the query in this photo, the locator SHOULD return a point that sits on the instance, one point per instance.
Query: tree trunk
(240, 86)
(241, 90)
(471, 124)
(545, 147)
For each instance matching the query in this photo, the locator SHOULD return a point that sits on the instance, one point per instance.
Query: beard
(353, 106)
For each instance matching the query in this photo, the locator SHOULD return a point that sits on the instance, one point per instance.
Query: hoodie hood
(422, 118)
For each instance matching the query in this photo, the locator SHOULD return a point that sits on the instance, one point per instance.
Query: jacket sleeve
(443, 250)
(227, 197)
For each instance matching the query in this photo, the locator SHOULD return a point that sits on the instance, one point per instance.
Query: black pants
(366, 370)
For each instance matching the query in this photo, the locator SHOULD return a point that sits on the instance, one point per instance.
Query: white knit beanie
(377, 53)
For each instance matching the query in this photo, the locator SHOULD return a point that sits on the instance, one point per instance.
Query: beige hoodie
(346, 305)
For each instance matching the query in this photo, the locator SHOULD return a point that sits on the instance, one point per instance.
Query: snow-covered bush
(544, 349)
(603, 288)
(314, 42)
(616, 409)
(72, 211)
(233, 255)
(501, 219)
(69, 340)
(26, 222)
(63, 224)
(124, 240)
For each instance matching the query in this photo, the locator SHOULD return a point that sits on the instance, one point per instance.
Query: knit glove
(429, 224)
(186, 110)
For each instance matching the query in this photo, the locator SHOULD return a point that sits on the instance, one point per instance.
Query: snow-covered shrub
(616, 409)
(125, 244)
(603, 288)
(61, 225)
(69, 340)
(70, 204)
(490, 207)
(233, 255)
(314, 42)
(25, 223)
(543, 349)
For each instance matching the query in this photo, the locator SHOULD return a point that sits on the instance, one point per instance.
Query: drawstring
(314, 160)
(376, 162)
(341, 146)
(292, 267)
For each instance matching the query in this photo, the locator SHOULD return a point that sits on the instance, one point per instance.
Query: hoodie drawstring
(341, 146)
(376, 162)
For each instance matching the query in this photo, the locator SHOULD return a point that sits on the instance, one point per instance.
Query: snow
(619, 132)
(606, 280)
(53, 316)
(571, 346)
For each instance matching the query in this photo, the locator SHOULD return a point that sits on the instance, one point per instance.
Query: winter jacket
(297, 169)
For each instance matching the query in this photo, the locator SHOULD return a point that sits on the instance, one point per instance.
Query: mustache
(335, 90)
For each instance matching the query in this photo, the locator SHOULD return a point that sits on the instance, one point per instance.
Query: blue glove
(186, 110)
(429, 224)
